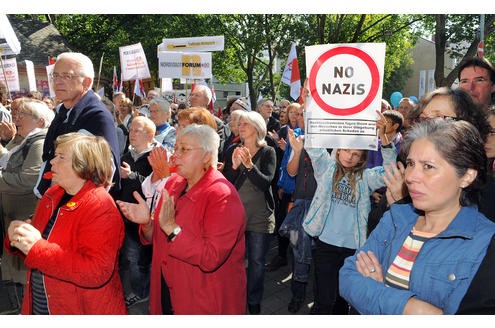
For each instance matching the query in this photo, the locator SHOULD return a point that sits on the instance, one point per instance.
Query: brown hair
(91, 157)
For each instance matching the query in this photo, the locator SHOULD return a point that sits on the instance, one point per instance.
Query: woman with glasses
(197, 233)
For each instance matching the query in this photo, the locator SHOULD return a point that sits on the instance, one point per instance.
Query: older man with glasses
(80, 111)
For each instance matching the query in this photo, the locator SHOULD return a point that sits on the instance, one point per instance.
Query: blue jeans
(136, 259)
(300, 278)
(257, 245)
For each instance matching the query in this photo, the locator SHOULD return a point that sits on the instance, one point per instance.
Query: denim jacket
(442, 271)
(292, 228)
(324, 167)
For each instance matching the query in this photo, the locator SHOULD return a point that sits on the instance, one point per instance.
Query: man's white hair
(84, 64)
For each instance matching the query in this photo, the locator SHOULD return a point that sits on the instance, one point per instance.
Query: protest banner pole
(99, 72)
(5, 77)
(187, 97)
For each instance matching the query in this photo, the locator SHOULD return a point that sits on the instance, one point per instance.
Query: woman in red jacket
(70, 248)
(197, 233)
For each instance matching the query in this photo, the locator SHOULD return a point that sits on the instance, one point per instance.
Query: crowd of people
(106, 204)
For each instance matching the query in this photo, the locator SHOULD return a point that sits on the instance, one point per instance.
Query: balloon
(414, 98)
(395, 98)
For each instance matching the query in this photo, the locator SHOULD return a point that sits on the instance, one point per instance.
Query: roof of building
(38, 40)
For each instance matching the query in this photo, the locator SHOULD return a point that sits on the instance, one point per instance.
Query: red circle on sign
(375, 80)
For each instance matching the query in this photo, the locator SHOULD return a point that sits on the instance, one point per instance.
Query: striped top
(40, 300)
(398, 275)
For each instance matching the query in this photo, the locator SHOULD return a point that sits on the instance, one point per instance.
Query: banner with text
(345, 84)
(193, 65)
(133, 63)
(202, 43)
(11, 74)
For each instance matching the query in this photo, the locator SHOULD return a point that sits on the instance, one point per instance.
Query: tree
(458, 36)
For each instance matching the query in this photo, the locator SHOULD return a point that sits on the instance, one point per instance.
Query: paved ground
(276, 296)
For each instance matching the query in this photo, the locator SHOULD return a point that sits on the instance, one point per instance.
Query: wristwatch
(174, 233)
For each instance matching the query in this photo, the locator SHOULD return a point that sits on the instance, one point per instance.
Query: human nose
(411, 175)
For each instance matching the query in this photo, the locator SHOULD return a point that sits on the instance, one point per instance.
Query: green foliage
(255, 42)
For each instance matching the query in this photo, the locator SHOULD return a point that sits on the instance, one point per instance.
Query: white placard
(345, 83)
(195, 65)
(30, 75)
(203, 43)
(11, 74)
(133, 63)
(49, 70)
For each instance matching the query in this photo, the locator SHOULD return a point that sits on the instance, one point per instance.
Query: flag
(291, 75)
(51, 61)
(211, 105)
(219, 113)
(121, 86)
(139, 89)
(115, 81)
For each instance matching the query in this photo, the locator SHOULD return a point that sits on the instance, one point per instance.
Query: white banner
(30, 75)
(431, 80)
(203, 43)
(49, 70)
(422, 84)
(345, 83)
(11, 74)
(133, 63)
(195, 65)
(167, 84)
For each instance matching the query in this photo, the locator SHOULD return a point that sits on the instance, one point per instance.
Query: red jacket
(204, 265)
(80, 258)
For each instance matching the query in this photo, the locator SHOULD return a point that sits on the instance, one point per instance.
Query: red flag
(219, 113)
(211, 105)
(115, 81)
(51, 61)
(291, 75)
(139, 88)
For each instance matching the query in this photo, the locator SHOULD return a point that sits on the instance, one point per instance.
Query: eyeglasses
(443, 117)
(184, 150)
(63, 76)
(477, 80)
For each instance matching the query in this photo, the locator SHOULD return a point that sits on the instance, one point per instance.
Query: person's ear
(468, 177)
(86, 83)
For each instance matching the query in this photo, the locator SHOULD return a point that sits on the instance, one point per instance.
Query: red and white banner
(139, 89)
(115, 80)
(291, 75)
(133, 62)
(345, 84)
(11, 74)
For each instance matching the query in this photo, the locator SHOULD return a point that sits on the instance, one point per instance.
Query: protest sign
(194, 65)
(133, 63)
(345, 84)
(11, 74)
